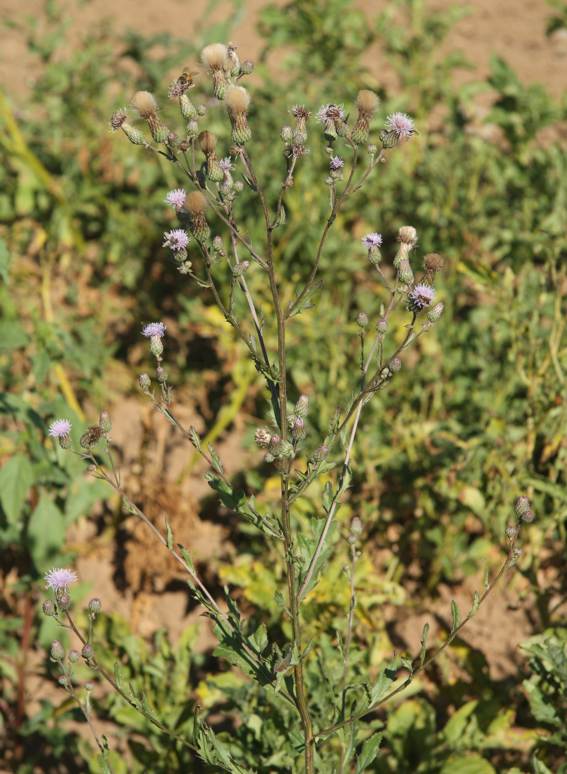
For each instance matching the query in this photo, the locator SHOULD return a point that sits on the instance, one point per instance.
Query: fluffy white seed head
(214, 56)
(367, 101)
(237, 99)
(196, 203)
(407, 235)
(144, 102)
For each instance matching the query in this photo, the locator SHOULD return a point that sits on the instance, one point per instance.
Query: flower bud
(57, 651)
(287, 134)
(64, 601)
(161, 374)
(362, 319)
(95, 606)
(48, 607)
(145, 382)
(382, 325)
(435, 313)
(512, 532)
(247, 67)
(395, 364)
(522, 505)
(74, 656)
(87, 652)
(528, 516)
(302, 406)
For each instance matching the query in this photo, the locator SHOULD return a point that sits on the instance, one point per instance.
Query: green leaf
(16, 478)
(368, 753)
(455, 616)
(467, 764)
(12, 336)
(423, 651)
(46, 532)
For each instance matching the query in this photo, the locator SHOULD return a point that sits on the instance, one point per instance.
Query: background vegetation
(477, 418)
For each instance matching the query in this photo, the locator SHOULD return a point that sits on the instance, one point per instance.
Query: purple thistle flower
(372, 241)
(226, 164)
(176, 239)
(401, 125)
(60, 578)
(331, 113)
(60, 428)
(420, 296)
(176, 198)
(336, 163)
(154, 329)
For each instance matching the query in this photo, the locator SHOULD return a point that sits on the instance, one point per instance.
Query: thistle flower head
(215, 56)
(196, 203)
(336, 163)
(401, 125)
(433, 263)
(176, 198)
(118, 118)
(226, 164)
(176, 239)
(331, 113)
(372, 241)
(420, 296)
(262, 437)
(367, 101)
(154, 329)
(300, 112)
(60, 579)
(237, 99)
(60, 428)
(144, 102)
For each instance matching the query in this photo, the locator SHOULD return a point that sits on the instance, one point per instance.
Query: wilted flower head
(118, 118)
(300, 112)
(336, 163)
(401, 125)
(420, 296)
(176, 239)
(59, 579)
(60, 428)
(154, 329)
(372, 241)
(330, 113)
(262, 437)
(176, 198)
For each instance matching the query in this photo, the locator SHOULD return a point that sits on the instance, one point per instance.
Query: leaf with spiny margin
(368, 753)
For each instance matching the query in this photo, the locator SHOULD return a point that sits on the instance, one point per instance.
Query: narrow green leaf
(455, 616)
(368, 753)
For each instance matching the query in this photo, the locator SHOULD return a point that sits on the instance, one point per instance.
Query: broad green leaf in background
(16, 478)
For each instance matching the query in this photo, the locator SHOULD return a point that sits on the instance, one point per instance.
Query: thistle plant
(319, 730)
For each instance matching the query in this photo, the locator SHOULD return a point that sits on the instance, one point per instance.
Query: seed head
(237, 99)
(215, 56)
(144, 102)
(522, 505)
(433, 263)
(207, 142)
(367, 101)
(407, 235)
(196, 203)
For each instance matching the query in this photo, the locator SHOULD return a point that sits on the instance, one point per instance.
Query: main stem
(300, 695)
